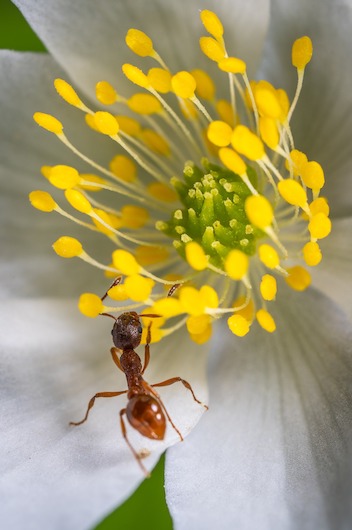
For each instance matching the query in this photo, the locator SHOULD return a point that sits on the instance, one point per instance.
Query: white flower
(274, 450)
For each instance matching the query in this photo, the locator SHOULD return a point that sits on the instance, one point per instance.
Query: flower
(273, 449)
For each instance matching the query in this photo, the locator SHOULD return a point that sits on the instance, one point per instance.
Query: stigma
(206, 199)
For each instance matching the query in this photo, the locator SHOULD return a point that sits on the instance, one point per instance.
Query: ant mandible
(145, 410)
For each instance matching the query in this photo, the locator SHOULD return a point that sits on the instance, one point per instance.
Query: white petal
(322, 121)
(27, 264)
(334, 273)
(88, 39)
(274, 450)
(53, 361)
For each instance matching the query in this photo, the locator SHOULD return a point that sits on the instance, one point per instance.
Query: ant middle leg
(92, 400)
(185, 383)
(124, 434)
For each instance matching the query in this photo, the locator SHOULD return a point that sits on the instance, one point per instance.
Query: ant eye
(139, 329)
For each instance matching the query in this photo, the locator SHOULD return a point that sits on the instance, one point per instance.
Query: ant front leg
(147, 348)
(135, 454)
(92, 400)
(185, 384)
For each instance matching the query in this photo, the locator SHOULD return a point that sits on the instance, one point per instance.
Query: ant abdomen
(145, 414)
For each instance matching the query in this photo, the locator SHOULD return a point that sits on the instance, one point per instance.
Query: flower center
(245, 215)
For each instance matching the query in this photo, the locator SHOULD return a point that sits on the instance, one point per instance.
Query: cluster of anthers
(246, 213)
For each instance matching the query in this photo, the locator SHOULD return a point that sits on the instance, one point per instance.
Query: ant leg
(147, 349)
(92, 400)
(115, 282)
(114, 352)
(185, 384)
(135, 454)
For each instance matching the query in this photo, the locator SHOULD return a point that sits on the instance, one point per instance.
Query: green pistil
(213, 212)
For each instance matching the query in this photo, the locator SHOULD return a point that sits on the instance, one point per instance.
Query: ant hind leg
(135, 454)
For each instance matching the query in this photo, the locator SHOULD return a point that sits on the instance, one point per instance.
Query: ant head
(127, 331)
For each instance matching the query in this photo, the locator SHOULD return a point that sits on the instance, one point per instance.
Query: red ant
(145, 410)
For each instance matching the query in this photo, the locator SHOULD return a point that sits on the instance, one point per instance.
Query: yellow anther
(118, 293)
(298, 278)
(48, 122)
(124, 168)
(232, 65)
(191, 301)
(284, 102)
(196, 256)
(129, 125)
(312, 253)
(269, 132)
(155, 142)
(43, 201)
(205, 85)
(319, 226)
(183, 84)
(268, 287)
(247, 311)
(219, 133)
(160, 80)
(67, 93)
(268, 103)
(299, 160)
(138, 288)
(139, 43)
(67, 247)
(212, 49)
(292, 192)
(106, 123)
(232, 160)
(202, 338)
(302, 51)
(313, 175)
(147, 255)
(45, 171)
(209, 296)
(89, 118)
(102, 220)
(268, 256)
(162, 192)
(168, 307)
(259, 211)
(144, 104)
(105, 93)
(236, 264)
(134, 216)
(78, 201)
(225, 111)
(247, 143)
(188, 109)
(64, 177)
(135, 75)
(197, 325)
(319, 205)
(238, 325)
(265, 320)
(212, 23)
(90, 305)
(94, 179)
(125, 262)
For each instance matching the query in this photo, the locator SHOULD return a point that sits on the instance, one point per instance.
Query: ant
(145, 410)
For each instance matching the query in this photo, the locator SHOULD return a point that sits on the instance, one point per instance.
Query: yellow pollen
(205, 85)
(319, 226)
(232, 65)
(302, 51)
(269, 256)
(265, 320)
(42, 200)
(139, 43)
(64, 177)
(155, 142)
(48, 122)
(313, 175)
(268, 287)
(134, 216)
(247, 143)
(162, 192)
(144, 104)
(125, 262)
(147, 255)
(319, 205)
(102, 220)
(195, 256)
(212, 49)
(78, 201)
(90, 305)
(269, 132)
(183, 84)
(238, 325)
(236, 264)
(67, 247)
(129, 125)
(94, 179)
(135, 75)
(106, 123)
(225, 111)
(197, 325)
(247, 308)
(312, 254)
(219, 133)
(212, 23)
(299, 160)
(118, 293)
(124, 168)
(259, 211)
(268, 103)
(68, 94)
(168, 307)
(232, 160)
(45, 171)
(105, 93)
(160, 80)
(138, 288)
(293, 192)
(298, 278)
